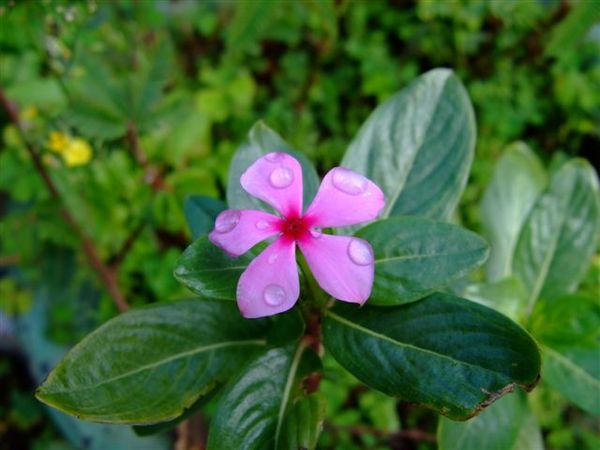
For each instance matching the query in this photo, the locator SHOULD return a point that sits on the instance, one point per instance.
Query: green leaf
(207, 270)
(502, 426)
(569, 329)
(418, 146)
(559, 237)
(519, 178)
(263, 140)
(415, 256)
(506, 296)
(269, 387)
(201, 212)
(303, 424)
(148, 365)
(444, 352)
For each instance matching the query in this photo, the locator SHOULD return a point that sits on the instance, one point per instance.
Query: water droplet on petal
(281, 177)
(360, 252)
(349, 182)
(262, 225)
(227, 220)
(316, 233)
(274, 295)
(274, 156)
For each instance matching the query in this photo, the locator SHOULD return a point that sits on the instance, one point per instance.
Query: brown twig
(106, 274)
(118, 257)
(152, 175)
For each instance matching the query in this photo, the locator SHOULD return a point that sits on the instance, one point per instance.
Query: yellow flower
(78, 152)
(58, 142)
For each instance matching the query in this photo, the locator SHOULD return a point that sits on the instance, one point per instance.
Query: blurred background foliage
(134, 105)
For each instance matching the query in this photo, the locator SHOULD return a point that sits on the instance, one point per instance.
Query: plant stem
(106, 274)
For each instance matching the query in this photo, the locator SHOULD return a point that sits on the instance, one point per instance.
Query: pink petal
(345, 198)
(237, 231)
(270, 285)
(342, 265)
(276, 179)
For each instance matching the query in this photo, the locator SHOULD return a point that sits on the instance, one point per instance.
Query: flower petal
(345, 198)
(237, 231)
(270, 284)
(276, 179)
(342, 265)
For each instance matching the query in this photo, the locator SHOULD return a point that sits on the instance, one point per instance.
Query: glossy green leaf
(559, 237)
(201, 212)
(269, 387)
(518, 180)
(501, 426)
(148, 365)
(418, 146)
(264, 140)
(414, 256)
(443, 352)
(569, 330)
(303, 424)
(207, 270)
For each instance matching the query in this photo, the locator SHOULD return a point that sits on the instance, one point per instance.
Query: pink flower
(342, 265)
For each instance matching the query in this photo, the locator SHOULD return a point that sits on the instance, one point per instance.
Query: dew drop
(281, 177)
(360, 252)
(316, 233)
(274, 295)
(274, 156)
(349, 182)
(262, 225)
(227, 220)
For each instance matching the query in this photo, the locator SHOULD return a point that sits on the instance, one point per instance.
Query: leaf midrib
(424, 256)
(410, 346)
(159, 363)
(287, 389)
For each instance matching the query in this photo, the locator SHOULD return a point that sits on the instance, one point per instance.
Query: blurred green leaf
(506, 296)
(418, 146)
(518, 180)
(560, 234)
(303, 424)
(415, 256)
(148, 365)
(506, 425)
(443, 352)
(568, 33)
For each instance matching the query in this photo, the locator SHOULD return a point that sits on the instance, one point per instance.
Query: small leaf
(418, 146)
(501, 426)
(263, 140)
(560, 235)
(201, 212)
(148, 365)
(207, 270)
(519, 178)
(569, 330)
(415, 256)
(269, 386)
(444, 352)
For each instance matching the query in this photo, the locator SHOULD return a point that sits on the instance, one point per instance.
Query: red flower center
(295, 227)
